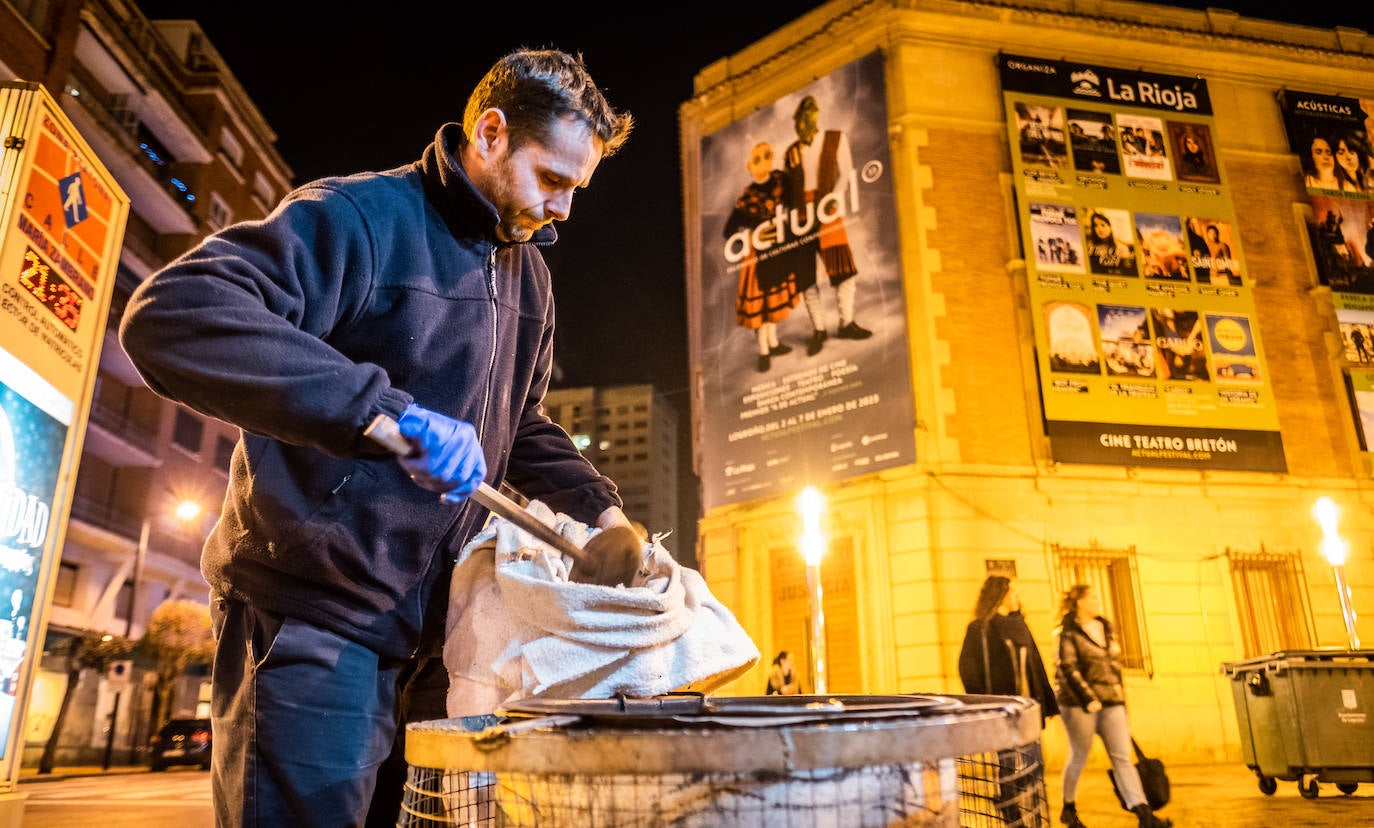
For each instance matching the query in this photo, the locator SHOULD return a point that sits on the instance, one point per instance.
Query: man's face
(534, 185)
(807, 121)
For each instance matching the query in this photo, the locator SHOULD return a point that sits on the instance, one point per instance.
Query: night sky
(347, 91)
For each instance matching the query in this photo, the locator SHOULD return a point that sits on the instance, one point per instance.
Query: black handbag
(1153, 780)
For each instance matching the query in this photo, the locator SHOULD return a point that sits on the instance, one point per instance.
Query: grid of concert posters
(798, 234)
(1330, 136)
(1147, 348)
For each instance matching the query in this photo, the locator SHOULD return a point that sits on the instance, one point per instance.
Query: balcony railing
(120, 425)
(107, 516)
(113, 114)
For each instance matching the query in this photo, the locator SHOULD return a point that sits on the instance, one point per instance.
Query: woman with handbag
(999, 657)
(1092, 700)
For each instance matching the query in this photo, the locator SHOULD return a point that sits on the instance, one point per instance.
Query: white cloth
(518, 628)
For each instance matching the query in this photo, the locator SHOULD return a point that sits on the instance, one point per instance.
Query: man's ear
(490, 131)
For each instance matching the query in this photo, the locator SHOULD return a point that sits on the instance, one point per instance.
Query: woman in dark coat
(999, 657)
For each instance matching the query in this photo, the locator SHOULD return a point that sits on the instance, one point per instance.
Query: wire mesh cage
(728, 763)
(1003, 788)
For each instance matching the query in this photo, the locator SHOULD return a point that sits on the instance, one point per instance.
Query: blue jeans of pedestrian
(309, 726)
(1112, 724)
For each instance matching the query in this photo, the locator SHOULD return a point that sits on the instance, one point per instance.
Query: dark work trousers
(309, 726)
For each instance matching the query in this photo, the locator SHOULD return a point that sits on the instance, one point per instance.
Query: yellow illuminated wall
(985, 487)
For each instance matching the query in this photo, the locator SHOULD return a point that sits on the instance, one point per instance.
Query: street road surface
(177, 798)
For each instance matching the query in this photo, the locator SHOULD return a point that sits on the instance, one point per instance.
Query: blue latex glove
(447, 457)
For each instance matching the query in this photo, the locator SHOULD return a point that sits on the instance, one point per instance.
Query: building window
(64, 590)
(153, 149)
(220, 213)
(231, 146)
(1112, 575)
(188, 431)
(38, 14)
(1270, 601)
(262, 188)
(224, 450)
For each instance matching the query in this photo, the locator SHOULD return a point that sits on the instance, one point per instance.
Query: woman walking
(999, 657)
(1087, 680)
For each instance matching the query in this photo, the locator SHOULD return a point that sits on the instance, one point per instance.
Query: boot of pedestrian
(1148, 819)
(1069, 816)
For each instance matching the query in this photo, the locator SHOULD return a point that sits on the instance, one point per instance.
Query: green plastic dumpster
(1305, 716)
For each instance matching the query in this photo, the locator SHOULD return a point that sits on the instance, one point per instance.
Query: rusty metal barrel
(690, 760)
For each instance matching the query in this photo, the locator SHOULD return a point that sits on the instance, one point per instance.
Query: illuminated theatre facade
(1117, 337)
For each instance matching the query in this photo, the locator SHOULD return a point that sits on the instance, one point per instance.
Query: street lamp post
(810, 504)
(140, 554)
(186, 511)
(1335, 549)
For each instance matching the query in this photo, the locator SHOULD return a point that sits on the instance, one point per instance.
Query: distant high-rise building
(629, 432)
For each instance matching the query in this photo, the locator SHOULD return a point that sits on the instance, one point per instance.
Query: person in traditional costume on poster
(817, 168)
(767, 288)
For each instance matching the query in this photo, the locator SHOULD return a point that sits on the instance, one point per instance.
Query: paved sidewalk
(75, 771)
(1219, 796)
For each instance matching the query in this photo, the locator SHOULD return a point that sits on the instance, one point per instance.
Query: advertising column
(61, 225)
(1141, 298)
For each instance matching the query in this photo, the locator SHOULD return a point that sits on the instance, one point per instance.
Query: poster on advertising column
(61, 227)
(803, 324)
(1142, 308)
(1330, 136)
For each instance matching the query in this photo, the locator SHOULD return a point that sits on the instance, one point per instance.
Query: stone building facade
(1201, 567)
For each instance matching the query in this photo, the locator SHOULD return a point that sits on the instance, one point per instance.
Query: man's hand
(447, 456)
(614, 557)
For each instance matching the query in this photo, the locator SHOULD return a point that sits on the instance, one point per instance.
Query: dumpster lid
(1315, 657)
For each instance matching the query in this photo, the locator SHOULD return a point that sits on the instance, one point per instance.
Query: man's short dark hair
(535, 88)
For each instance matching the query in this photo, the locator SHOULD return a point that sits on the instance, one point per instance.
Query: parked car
(182, 742)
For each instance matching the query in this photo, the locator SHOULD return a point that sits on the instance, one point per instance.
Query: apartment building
(166, 116)
(629, 432)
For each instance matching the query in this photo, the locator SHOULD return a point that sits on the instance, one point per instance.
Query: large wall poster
(1147, 348)
(806, 376)
(31, 442)
(1330, 136)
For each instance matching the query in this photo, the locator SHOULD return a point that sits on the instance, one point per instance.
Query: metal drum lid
(757, 711)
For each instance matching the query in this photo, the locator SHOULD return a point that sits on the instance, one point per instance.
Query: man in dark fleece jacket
(420, 294)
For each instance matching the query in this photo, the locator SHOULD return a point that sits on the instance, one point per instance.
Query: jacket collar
(465, 210)
(1071, 623)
